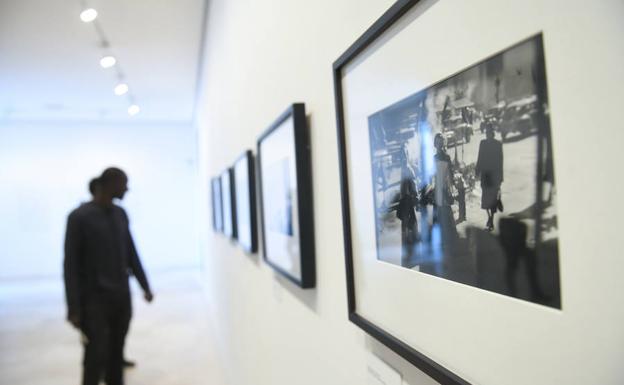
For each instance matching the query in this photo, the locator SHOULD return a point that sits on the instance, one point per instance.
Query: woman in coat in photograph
(443, 193)
(407, 207)
(489, 169)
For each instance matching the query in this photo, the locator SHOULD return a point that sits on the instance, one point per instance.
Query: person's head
(114, 182)
(489, 131)
(438, 142)
(94, 186)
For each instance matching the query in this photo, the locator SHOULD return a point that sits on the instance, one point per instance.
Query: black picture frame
(217, 208)
(300, 147)
(420, 360)
(228, 203)
(245, 187)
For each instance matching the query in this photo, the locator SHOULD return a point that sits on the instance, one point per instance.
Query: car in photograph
(464, 131)
(518, 117)
(450, 137)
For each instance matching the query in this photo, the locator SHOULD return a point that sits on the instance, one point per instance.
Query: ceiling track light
(121, 89)
(88, 15)
(108, 61)
(133, 110)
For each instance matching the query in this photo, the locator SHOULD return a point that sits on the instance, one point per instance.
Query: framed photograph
(448, 190)
(217, 208)
(245, 202)
(285, 187)
(228, 200)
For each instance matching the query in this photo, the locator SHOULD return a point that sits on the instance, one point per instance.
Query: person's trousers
(105, 320)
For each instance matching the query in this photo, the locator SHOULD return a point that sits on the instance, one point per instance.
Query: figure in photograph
(489, 169)
(443, 193)
(407, 207)
(460, 185)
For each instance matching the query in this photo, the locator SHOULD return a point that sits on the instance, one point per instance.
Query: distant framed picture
(285, 187)
(448, 188)
(245, 202)
(229, 203)
(217, 204)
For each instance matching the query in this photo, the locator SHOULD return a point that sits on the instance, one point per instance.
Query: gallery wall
(261, 56)
(44, 175)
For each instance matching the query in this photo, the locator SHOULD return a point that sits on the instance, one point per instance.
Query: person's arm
(137, 267)
(71, 269)
(135, 263)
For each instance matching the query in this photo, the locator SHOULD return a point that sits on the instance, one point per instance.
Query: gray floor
(170, 339)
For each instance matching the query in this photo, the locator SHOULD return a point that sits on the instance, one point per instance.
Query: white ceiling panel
(49, 59)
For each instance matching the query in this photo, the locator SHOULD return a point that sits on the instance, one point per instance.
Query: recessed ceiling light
(133, 110)
(108, 61)
(121, 89)
(88, 15)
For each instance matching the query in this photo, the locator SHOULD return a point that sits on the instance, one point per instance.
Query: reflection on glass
(279, 211)
(217, 210)
(279, 199)
(229, 209)
(243, 208)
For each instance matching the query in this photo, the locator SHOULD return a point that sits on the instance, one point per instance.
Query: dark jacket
(99, 254)
(490, 163)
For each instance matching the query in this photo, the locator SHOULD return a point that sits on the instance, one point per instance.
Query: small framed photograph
(217, 208)
(228, 203)
(285, 187)
(245, 202)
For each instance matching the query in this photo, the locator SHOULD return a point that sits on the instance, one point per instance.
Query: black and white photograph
(244, 181)
(217, 208)
(463, 179)
(284, 178)
(229, 203)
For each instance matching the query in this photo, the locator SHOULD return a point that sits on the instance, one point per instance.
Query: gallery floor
(170, 339)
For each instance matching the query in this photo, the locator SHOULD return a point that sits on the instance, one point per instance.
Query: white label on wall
(380, 373)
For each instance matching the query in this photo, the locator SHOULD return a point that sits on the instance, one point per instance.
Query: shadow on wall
(308, 297)
(411, 375)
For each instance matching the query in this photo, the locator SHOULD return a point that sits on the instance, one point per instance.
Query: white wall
(263, 55)
(44, 171)
(260, 57)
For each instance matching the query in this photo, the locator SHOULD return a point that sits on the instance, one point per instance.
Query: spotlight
(133, 110)
(121, 89)
(88, 15)
(108, 61)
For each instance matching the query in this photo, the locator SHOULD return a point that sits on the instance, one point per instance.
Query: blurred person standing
(95, 189)
(99, 257)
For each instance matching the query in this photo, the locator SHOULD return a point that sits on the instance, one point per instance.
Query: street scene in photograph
(463, 178)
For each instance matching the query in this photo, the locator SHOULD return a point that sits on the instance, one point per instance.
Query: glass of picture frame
(245, 192)
(285, 188)
(228, 200)
(217, 208)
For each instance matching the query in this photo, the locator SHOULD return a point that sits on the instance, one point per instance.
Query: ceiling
(49, 59)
